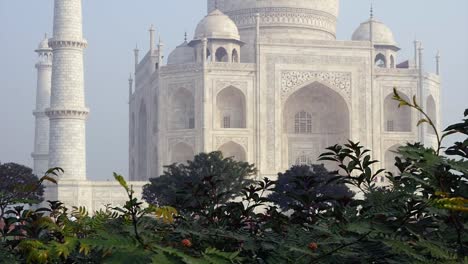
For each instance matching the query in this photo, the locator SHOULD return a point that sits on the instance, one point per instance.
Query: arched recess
(230, 103)
(390, 161)
(221, 55)
(181, 153)
(182, 113)
(235, 56)
(234, 150)
(314, 117)
(396, 119)
(142, 143)
(432, 113)
(392, 61)
(380, 61)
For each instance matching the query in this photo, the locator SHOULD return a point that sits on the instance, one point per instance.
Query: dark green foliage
(307, 216)
(18, 185)
(201, 185)
(309, 191)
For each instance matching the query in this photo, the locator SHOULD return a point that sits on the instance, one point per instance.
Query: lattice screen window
(303, 123)
(227, 122)
(390, 126)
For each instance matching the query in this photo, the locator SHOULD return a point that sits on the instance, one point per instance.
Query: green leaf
(121, 181)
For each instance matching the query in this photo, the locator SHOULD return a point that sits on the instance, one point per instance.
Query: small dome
(181, 55)
(44, 45)
(218, 26)
(382, 34)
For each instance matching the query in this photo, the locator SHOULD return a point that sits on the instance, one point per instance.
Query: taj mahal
(262, 81)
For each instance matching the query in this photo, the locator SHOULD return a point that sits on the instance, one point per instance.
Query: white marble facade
(268, 82)
(263, 81)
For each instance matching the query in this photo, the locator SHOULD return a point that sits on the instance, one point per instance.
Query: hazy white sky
(113, 27)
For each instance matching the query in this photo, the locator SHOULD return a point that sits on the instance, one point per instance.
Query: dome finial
(185, 36)
(372, 10)
(216, 4)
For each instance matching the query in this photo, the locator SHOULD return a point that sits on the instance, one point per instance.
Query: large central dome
(306, 19)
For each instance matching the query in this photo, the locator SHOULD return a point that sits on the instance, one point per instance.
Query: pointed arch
(431, 109)
(235, 56)
(380, 61)
(396, 119)
(234, 150)
(181, 153)
(221, 55)
(142, 142)
(231, 107)
(182, 114)
(314, 117)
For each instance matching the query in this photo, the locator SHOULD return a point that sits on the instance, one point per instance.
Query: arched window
(142, 143)
(380, 61)
(183, 110)
(221, 55)
(233, 150)
(231, 108)
(235, 56)
(432, 113)
(392, 61)
(303, 123)
(396, 119)
(181, 153)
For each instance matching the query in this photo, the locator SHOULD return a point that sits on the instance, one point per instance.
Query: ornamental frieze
(187, 140)
(293, 80)
(243, 141)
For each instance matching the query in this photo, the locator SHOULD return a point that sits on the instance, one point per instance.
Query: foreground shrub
(307, 216)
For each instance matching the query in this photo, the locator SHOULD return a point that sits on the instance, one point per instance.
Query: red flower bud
(187, 243)
(313, 246)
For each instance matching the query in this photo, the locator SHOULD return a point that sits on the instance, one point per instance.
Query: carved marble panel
(293, 80)
(221, 140)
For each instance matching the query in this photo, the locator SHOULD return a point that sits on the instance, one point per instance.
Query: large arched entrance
(314, 117)
(181, 153)
(233, 150)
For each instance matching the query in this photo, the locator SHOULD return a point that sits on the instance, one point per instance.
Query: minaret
(67, 112)
(41, 137)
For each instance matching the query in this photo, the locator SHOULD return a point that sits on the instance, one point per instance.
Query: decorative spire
(216, 4)
(372, 10)
(185, 36)
(151, 31)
